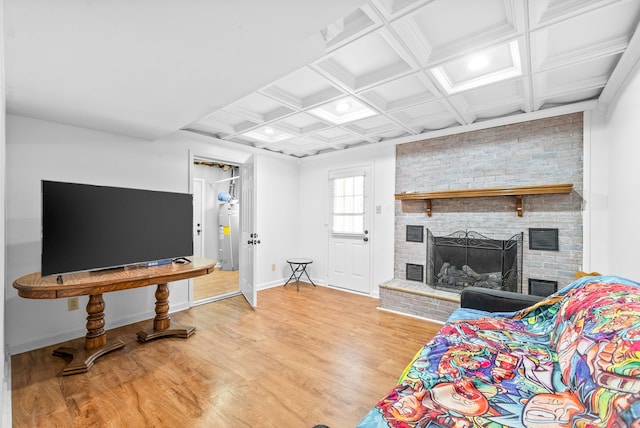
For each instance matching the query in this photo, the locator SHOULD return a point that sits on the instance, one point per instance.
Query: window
(348, 204)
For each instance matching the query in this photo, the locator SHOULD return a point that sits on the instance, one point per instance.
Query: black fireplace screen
(467, 258)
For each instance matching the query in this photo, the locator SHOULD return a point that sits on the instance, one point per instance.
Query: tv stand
(94, 284)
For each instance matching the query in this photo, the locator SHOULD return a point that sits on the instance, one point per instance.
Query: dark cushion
(490, 300)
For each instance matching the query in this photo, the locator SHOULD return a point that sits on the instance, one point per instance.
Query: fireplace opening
(467, 258)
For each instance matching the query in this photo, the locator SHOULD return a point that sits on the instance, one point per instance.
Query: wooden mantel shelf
(518, 192)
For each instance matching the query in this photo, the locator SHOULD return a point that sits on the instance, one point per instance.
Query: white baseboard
(76, 333)
(281, 282)
(319, 283)
(272, 284)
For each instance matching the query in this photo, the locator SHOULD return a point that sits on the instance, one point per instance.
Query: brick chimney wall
(545, 151)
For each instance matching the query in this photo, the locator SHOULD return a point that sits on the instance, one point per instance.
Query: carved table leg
(95, 344)
(162, 320)
(96, 336)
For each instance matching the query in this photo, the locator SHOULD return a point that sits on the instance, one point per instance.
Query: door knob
(365, 239)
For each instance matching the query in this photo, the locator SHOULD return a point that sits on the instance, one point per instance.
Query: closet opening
(216, 194)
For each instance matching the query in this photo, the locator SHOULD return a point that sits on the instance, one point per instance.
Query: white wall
(5, 366)
(277, 190)
(314, 209)
(616, 173)
(39, 150)
(596, 194)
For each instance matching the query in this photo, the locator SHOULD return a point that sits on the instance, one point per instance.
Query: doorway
(349, 235)
(216, 186)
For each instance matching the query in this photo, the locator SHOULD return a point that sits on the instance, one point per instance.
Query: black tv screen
(88, 227)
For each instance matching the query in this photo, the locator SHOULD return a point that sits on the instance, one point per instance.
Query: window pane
(348, 205)
(358, 184)
(348, 186)
(358, 204)
(357, 226)
(348, 224)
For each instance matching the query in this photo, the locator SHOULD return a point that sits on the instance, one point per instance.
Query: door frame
(192, 157)
(369, 223)
(202, 235)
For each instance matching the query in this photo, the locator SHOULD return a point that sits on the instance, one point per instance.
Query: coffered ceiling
(396, 68)
(308, 77)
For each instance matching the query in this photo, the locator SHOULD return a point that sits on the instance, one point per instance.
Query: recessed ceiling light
(511, 67)
(477, 62)
(267, 134)
(344, 110)
(343, 106)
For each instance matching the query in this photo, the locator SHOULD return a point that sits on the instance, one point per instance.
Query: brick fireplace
(540, 152)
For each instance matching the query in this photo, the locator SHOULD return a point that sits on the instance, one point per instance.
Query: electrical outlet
(73, 303)
(273, 267)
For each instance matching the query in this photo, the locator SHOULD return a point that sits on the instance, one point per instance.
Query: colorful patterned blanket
(572, 360)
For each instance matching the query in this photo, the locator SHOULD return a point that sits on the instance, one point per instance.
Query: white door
(198, 217)
(248, 235)
(349, 234)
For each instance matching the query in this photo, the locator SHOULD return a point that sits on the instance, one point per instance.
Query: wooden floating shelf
(518, 192)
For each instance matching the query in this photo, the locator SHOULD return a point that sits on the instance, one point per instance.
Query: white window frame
(342, 174)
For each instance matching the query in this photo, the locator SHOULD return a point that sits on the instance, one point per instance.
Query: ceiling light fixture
(344, 110)
(343, 106)
(477, 62)
(514, 69)
(267, 134)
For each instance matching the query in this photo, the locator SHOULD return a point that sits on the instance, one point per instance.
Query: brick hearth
(415, 298)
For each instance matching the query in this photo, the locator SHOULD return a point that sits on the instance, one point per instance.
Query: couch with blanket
(570, 360)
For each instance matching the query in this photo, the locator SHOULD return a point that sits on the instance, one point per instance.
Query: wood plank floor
(317, 356)
(216, 283)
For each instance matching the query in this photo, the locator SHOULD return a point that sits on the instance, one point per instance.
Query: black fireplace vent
(415, 233)
(415, 272)
(541, 287)
(543, 239)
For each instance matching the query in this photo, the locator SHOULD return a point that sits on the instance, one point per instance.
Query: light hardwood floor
(216, 283)
(317, 356)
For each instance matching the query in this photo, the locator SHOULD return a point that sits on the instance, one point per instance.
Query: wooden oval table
(94, 284)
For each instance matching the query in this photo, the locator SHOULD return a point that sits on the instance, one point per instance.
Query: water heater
(229, 236)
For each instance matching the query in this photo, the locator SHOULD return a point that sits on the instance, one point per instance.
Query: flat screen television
(88, 227)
